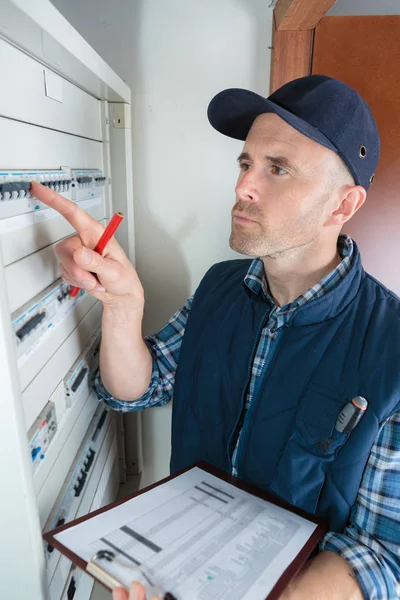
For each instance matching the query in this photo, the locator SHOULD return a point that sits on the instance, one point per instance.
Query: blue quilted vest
(345, 344)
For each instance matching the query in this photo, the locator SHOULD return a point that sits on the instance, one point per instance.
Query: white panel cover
(29, 276)
(21, 242)
(32, 147)
(77, 113)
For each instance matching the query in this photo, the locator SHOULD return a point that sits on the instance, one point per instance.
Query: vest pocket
(312, 446)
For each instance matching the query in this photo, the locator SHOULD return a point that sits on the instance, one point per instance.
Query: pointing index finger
(76, 216)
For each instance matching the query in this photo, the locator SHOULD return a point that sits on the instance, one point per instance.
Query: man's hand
(136, 592)
(125, 360)
(328, 576)
(117, 276)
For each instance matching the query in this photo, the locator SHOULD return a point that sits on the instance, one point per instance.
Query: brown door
(364, 52)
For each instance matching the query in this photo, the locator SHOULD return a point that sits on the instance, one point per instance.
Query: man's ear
(352, 198)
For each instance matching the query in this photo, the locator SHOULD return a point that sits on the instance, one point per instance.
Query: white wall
(107, 26)
(176, 55)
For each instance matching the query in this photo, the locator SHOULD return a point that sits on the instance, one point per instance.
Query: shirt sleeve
(371, 541)
(164, 347)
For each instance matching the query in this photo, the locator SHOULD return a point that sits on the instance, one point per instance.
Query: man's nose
(246, 188)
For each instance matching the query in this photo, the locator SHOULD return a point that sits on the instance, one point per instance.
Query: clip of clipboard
(94, 569)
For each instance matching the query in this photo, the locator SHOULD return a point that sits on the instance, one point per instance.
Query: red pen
(102, 243)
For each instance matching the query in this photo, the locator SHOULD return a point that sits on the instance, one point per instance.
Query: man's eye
(244, 166)
(275, 170)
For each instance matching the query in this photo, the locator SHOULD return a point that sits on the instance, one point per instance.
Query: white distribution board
(55, 128)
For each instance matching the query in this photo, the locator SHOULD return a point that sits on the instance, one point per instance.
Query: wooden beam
(290, 57)
(300, 14)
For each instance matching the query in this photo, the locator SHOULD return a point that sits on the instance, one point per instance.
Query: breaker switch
(78, 487)
(89, 460)
(5, 191)
(99, 425)
(71, 589)
(80, 377)
(30, 325)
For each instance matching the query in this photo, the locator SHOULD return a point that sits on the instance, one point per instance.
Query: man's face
(284, 190)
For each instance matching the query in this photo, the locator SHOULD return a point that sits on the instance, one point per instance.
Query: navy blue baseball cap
(324, 109)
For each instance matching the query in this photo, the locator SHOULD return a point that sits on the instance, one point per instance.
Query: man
(267, 353)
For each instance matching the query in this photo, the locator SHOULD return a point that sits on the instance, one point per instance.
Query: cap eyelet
(372, 178)
(362, 152)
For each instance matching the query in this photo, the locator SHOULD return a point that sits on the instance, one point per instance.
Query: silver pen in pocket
(350, 416)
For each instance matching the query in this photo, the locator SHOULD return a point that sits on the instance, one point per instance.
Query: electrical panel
(35, 320)
(41, 434)
(98, 492)
(72, 492)
(33, 324)
(15, 195)
(78, 377)
(87, 183)
(74, 184)
(49, 342)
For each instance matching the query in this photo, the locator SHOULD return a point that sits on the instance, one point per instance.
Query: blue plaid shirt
(371, 541)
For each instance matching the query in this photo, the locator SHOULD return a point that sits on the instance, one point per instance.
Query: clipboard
(99, 572)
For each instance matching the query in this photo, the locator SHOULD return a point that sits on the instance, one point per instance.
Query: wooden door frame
(293, 28)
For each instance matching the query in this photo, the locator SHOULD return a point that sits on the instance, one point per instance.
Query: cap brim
(233, 111)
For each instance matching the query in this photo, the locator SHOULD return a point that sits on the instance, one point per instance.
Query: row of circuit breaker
(74, 184)
(71, 494)
(76, 383)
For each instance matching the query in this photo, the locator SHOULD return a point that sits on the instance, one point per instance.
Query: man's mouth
(242, 218)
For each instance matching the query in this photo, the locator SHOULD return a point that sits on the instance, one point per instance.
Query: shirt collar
(256, 281)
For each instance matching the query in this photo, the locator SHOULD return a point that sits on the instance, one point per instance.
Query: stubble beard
(249, 244)
(258, 240)
(252, 242)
